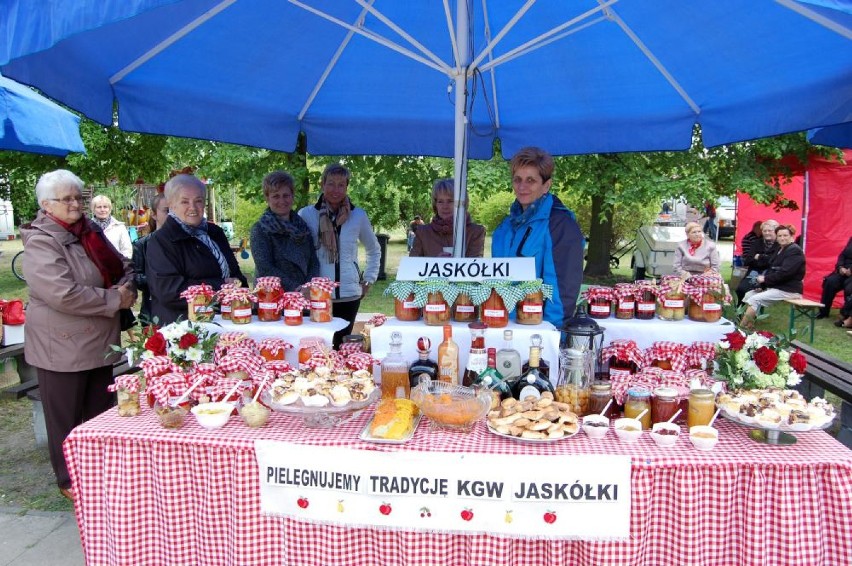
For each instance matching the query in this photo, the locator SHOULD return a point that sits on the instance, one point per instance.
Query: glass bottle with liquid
(423, 364)
(477, 359)
(448, 358)
(533, 382)
(508, 359)
(491, 379)
(543, 366)
(395, 381)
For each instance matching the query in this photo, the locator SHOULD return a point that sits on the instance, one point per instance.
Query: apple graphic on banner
(467, 514)
(550, 517)
(302, 502)
(385, 509)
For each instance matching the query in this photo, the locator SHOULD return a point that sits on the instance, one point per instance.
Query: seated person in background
(280, 240)
(159, 213)
(758, 260)
(783, 279)
(541, 227)
(186, 250)
(845, 320)
(750, 239)
(838, 280)
(696, 254)
(115, 231)
(436, 238)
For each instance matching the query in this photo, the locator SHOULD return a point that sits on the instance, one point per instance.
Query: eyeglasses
(67, 200)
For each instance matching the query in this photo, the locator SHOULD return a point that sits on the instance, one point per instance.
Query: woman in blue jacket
(541, 227)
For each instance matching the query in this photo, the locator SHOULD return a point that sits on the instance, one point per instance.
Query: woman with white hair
(78, 283)
(186, 250)
(115, 231)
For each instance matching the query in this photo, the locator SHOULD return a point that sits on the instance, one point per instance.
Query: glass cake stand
(322, 417)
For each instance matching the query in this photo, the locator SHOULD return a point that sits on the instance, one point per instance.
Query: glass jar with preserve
(702, 405)
(436, 312)
(625, 300)
(575, 374)
(638, 403)
(405, 306)
(199, 300)
(224, 298)
(435, 296)
(600, 395)
(671, 302)
(664, 404)
(269, 292)
(530, 308)
(294, 304)
(321, 289)
(646, 302)
(307, 347)
(241, 300)
(463, 308)
(600, 301)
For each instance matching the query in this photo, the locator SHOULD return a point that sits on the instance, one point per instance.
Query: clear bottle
(423, 364)
(508, 359)
(491, 379)
(395, 382)
(477, 359)
(543, 366)
(448, 358)
(533, 382)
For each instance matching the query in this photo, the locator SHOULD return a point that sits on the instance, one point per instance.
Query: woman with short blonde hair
(696, 254)
(436, 238)
(115, 230)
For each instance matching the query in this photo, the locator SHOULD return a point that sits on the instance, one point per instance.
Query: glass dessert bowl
(451, 407)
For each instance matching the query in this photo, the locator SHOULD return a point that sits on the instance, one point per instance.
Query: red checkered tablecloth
(147, 495)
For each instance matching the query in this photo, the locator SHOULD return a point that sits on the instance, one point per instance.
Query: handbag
(127, 319)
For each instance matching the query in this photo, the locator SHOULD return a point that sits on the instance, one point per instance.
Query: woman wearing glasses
(78, 283)
(436, 238)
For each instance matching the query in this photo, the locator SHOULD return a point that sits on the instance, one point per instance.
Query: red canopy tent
(824, 217)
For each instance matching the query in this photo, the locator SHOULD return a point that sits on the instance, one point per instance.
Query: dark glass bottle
(533, 382)
(477, 359)
(423, 364)
(543, 366)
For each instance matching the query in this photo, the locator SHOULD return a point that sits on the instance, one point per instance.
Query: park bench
(825, 373)
(803, 308)
(26, 373)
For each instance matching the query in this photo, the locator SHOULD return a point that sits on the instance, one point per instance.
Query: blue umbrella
(835, 136)
(34, 124)
(427, 77)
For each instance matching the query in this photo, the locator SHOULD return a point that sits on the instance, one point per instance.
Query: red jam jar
(494, 313)
(600, 307)
(646, 305)
(293, 317)
(625, 303)
(437, 311)
(268, 308)
(407, 309)
(664, 404)
(530, 309)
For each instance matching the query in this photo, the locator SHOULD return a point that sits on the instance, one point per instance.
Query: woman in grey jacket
(337, 226)
(78, 282)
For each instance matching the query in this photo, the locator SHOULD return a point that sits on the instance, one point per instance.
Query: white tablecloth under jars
(646, 332)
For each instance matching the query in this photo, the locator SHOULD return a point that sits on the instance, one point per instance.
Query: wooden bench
(825, 373)
(26, 373)
(803, 308)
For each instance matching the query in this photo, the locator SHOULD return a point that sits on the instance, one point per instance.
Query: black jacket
(175, 260)
(845, 257)
(140, 248)
(765, 251)
(786, 270)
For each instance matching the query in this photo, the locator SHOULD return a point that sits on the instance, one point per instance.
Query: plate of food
(394, 422)
(323, 398)
(776, 409)
(534, 421)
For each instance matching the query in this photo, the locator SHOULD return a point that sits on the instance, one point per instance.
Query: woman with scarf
(280, 240)
(436, 238)
(78, 282)
(115, 231)
(337, 226)
(186, 250)
(696, 254)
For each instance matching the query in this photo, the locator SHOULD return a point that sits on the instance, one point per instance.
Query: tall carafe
(576, 370)
(395, 380)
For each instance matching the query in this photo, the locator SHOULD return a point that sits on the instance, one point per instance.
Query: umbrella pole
(461, 149)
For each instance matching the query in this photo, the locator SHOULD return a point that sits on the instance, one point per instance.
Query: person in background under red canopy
(838, 280)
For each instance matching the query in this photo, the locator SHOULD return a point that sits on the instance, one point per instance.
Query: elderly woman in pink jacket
(78, 283)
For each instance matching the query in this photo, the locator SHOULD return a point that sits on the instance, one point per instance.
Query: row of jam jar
(472, 303)
(628, 302)
(273, 302)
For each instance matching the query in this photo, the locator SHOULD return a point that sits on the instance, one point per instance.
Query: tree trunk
(600, 236)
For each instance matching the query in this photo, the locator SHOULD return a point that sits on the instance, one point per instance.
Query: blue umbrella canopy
(839, 135)
(34, 124)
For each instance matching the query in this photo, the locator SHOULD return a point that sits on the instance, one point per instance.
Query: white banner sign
(466, 269)
(570, 497)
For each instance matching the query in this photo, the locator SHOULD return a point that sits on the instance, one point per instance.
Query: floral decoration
(185, 343)
(758, 360)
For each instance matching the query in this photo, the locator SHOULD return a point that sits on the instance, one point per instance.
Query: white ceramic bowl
(595, 432)
(213, 415)
(665, 440)
(703, 437)
(628, 430)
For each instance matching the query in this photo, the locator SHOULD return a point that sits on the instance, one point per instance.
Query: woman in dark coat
(159, 213)
(187, 250)
(281, 241)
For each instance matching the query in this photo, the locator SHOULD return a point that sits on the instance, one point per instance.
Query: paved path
(39, 538)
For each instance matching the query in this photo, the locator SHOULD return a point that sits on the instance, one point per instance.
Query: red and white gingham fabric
(151, 496)
(671, 351)
(624, 351)
(699, 353)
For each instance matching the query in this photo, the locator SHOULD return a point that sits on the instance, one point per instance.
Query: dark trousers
(831, 285)
(347, 310)
(69, 399)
